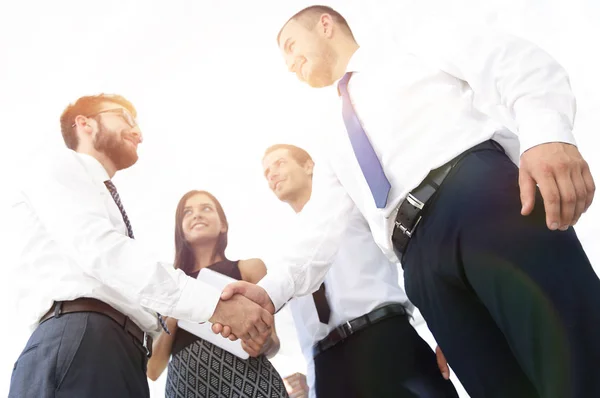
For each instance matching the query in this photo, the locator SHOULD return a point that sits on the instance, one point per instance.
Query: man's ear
(309, 166)
(83, 123)
(325, 25)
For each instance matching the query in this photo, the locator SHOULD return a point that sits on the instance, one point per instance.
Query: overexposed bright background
(212, 93)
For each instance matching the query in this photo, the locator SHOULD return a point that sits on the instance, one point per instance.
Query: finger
(267, 322)
(232, 337)
(442, 363)
(254, 345)
(581, 192)
(527, 189)
(590, 187)
(226, 331)
(568, 200)
(217, 328)
(254, 333)
(232, 289)
(551, 195)
(249, 350)
(259, 340)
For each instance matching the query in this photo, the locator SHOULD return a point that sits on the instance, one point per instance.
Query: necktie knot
(110, 186)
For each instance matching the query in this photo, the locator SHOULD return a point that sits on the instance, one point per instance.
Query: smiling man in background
(358, 321)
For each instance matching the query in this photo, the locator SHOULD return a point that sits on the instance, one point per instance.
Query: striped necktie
(115, 195)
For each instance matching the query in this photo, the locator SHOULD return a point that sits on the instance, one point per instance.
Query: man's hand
(257, 347)
(296, 385)
(243, 317)
(252, 292)
(564, 179)
(442, 363)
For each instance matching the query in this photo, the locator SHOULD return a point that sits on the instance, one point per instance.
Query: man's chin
(282, 195)
(126, 162)
(319, 83)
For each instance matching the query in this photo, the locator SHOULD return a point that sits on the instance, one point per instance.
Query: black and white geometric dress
(201, 369)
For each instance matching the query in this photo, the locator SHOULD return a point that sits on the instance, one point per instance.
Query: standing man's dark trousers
(385, 360)
(514, 306)
(80, 355)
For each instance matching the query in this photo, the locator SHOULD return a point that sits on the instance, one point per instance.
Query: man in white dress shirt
(356, 326)
(90, 291)
(431, 133)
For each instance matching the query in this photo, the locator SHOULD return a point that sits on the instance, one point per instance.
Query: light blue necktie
(363, 150)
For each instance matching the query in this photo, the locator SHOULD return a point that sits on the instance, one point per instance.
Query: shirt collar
(94, 167)
(357, 63)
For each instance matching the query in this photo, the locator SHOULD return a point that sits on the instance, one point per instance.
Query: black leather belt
(411, 209)
(85, 304)
(347, 329)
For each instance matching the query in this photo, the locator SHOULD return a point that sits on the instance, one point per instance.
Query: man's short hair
(309, 16)
(87, 106)
(297, 153)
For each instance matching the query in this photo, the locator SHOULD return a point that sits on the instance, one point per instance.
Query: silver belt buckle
(414, 201)
(345, 331)
(410, 198)
(145, 344)
(406, 231)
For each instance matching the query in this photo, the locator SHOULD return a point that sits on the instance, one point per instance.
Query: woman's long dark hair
(184, 256)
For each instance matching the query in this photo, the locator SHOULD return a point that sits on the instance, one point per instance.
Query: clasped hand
(245, 311)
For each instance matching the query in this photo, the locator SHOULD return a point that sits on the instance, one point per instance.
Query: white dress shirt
(75, 244)
(443, 91)
(360, 280)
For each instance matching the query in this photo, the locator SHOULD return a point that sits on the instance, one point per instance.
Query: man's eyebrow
(287, 43)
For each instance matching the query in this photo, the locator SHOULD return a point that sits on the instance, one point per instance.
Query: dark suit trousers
(514, 306)
(386, 360)
(80, 355)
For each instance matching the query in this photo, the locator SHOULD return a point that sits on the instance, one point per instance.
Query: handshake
(245, 311)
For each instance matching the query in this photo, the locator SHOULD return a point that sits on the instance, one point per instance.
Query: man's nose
(137, 134)
(291, 63)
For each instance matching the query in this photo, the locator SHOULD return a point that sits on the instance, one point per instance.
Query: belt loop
(57, 308)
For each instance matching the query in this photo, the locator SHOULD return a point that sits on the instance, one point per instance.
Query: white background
(212, 93)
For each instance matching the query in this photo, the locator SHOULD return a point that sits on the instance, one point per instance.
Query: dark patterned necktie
(115, 195)
(363, 150)
(322, 305)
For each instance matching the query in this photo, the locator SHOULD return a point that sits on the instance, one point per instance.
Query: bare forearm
(161, 352)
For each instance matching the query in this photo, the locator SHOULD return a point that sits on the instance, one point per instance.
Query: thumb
(527, 187)
(442, 363)
(233, 289)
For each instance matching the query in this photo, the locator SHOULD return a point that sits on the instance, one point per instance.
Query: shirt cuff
(197, 302)
(279, 287)
(544, 127)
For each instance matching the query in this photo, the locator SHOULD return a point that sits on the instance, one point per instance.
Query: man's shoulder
(51, 166)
